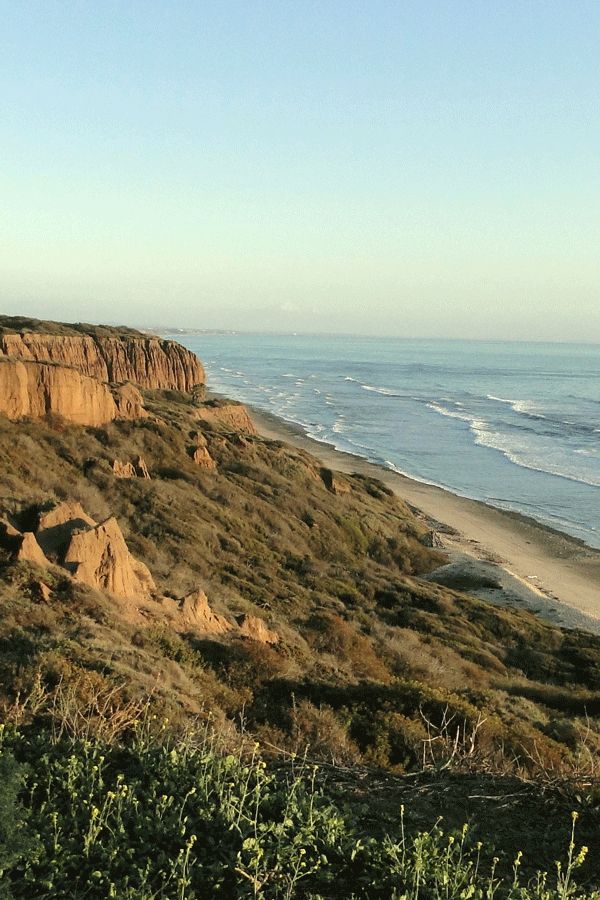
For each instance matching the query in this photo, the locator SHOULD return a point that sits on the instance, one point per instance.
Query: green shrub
(182, 819)
(16, 841)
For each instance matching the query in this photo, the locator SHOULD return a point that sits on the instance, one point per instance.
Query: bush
(180, 818)
(332, 634)
(15, 841)
(320, 732)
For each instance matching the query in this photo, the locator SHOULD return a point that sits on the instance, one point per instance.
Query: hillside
(170, 552)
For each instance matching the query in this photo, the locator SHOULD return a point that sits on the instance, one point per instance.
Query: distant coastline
(178, 332)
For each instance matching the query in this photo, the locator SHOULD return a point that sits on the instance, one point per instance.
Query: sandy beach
(499, 556)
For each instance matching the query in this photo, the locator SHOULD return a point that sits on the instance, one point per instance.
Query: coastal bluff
(89, 375)
(107, 354)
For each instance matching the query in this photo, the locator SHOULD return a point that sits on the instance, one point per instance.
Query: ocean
(516, 425)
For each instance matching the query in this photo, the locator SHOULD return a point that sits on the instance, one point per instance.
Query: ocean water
(514, 424)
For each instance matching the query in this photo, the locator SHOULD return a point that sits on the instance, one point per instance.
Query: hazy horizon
(415, 170)
(173, 331)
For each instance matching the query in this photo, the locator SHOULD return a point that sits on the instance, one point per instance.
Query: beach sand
(500, 556)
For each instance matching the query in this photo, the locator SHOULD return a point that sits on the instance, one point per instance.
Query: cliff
(86, 374)
(230, 416)
(99, 557)
(37, 389)
(148, 362)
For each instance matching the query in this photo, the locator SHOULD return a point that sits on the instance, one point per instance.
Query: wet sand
(501, 556)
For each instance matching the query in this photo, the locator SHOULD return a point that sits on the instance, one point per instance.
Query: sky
(421, 169)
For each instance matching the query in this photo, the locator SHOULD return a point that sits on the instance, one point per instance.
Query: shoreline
(502, 556)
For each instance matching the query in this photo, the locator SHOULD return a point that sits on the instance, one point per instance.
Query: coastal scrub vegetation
(17, 324)
(155, 813)
(378, 676)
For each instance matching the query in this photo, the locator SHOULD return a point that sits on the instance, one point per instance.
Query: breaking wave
(527, 457)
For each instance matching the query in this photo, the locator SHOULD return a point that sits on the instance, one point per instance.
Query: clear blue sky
(413, 168)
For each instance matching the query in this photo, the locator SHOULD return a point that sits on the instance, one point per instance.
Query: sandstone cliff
(86, 375)
(31, 551)
(146, 361)
(135, 469)
(228, 416)
(197, 615)
(56, 526)
(255, 629)
(100, 558)
(36, 389)
(199, 452)
(96, 555)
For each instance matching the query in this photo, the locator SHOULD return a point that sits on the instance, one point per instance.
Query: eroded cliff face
(37, 389)
(87, 378)
(148, 362)
(99, 557)
(227, 416)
